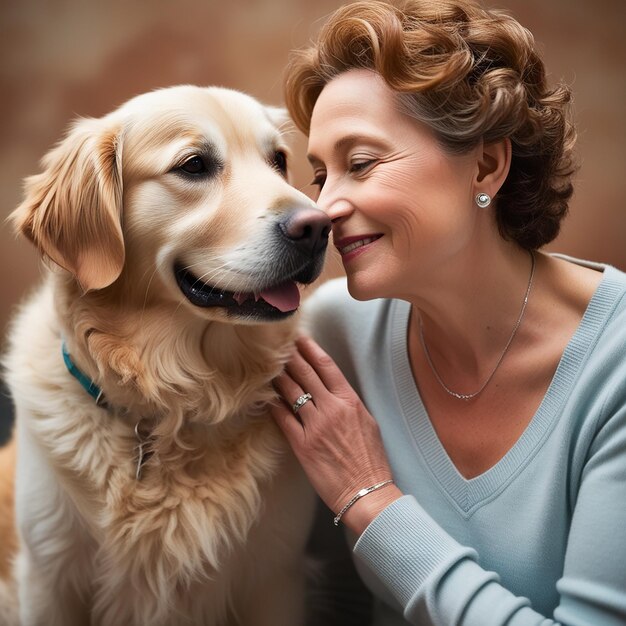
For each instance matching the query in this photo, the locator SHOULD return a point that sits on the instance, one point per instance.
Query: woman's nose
(334, 205)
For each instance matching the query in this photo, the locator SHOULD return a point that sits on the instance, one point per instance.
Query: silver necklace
(469, 396)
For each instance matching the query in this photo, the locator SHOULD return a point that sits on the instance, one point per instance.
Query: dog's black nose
(307, 228)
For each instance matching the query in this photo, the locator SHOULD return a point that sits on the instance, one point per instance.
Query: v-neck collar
(470, 494)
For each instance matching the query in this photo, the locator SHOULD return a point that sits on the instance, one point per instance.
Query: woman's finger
(303, 373)
(291, 427)
(290, 391)
(325, 368)
(288, 388)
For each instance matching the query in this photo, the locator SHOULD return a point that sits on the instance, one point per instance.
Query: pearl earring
(483, 200)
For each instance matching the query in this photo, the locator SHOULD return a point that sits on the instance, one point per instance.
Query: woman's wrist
(358, 517)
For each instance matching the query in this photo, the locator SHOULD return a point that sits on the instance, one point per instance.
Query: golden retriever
(152, 486)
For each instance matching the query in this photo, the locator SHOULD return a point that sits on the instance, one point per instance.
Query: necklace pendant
(464, 396)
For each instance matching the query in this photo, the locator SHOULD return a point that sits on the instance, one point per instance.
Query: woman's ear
(494, 162)
(72, 211)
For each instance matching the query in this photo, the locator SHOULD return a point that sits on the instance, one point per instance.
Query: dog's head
(180, 195)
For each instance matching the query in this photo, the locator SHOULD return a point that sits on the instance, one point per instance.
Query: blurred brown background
(65, 58)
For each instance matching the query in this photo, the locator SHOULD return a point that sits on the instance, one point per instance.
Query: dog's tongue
(285, 297)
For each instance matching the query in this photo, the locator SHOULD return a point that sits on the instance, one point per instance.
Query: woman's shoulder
(595, 291)
(607, 310)
(609, 305)
(600, 346)
(616, 279)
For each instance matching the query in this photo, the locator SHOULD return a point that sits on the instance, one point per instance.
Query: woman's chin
(362, 288)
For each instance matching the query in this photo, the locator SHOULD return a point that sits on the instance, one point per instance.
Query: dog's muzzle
(295, 255)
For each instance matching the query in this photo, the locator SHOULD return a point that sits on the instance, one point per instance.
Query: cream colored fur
(213, 533)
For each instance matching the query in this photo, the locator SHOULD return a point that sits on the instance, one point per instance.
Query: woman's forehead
(353, 90)
(356, 103)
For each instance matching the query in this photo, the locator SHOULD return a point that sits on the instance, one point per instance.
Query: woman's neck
(469, 309)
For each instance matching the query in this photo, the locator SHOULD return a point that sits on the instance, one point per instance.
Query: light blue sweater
(541, 536)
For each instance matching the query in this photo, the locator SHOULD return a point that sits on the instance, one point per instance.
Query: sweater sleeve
(437, 581)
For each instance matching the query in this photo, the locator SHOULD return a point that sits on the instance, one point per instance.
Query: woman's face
(401, 206)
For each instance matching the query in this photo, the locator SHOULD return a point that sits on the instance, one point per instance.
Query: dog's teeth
(240, 297)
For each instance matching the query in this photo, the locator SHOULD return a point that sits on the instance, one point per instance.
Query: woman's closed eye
(356, 167)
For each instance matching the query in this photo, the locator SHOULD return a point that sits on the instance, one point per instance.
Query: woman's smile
(350, 247)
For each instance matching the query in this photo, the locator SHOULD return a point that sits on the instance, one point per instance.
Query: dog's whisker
(145, 299)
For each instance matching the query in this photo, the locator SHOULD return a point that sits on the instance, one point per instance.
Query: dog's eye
(195, 165)
(279, 161)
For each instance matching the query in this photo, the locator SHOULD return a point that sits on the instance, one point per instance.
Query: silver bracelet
(358, 496)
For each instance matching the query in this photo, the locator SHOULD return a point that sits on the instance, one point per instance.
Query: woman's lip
(341, 244)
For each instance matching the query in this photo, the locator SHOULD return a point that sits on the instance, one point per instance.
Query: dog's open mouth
(275, 302)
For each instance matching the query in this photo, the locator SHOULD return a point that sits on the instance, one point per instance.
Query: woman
(476, 387)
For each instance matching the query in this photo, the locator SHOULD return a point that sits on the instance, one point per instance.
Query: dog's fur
(214, 529)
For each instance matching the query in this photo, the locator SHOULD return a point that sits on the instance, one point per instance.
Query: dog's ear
(72, 211)
(280, 118)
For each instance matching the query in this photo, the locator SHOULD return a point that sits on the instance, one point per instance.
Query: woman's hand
(334, 437)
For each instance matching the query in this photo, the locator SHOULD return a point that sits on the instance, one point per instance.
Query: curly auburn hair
(469, 73)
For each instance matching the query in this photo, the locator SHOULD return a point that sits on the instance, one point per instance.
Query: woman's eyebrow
(344, 143)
